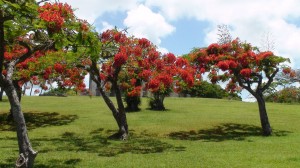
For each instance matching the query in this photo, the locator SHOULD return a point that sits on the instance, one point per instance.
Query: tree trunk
(27, 154)
(157, 103)
(119, 116)
(123, 126)
(1, 94)
(133, 103)
(264, 120)
(18, 89)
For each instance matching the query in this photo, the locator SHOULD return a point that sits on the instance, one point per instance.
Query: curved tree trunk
(27, 154)
(123, 126)
(264, 119)
(119, 116)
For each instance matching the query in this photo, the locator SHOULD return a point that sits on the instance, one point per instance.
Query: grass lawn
(72, 132)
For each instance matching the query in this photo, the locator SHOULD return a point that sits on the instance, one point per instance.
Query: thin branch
(270, 80)
(42, 1)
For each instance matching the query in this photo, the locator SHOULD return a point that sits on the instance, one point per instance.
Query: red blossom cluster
(14, 52)
(246, 72)
(55, 15)
(144, 43)
(113, 35)
(136, 91)
(120, 59)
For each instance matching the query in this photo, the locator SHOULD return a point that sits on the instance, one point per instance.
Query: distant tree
(207, 90)
(245, 68)
(267, 42)
(170, 74)
(286, 95)
(224, 34)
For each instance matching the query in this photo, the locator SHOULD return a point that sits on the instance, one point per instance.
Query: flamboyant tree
(29, 36)
(245, 67)
(170, 74)
(120, 59)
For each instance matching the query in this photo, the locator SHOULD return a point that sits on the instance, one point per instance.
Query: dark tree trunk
(119, 114)
(1, 94)
(157, 103)
(27, 154)
(264, 119)
(132, 103)
(123, 126)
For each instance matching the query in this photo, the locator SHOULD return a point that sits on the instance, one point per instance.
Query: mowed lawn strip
(192, 132)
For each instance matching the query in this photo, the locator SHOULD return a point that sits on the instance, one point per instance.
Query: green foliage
(207, 90)
(194, 132)
(286, 95)
(61, 92)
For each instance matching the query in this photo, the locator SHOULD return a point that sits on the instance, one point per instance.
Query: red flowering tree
(116, 67)
(245, 68)
(27, 34)
(169, 74)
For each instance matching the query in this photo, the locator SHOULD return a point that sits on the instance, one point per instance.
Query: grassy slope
(73, 131)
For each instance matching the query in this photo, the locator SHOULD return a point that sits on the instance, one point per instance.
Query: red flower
(132, 81)
(145, 74)
(58, 68)
(55, 15)
(144, 43)
(4, 72)
(213, 48)
(287, 70)
(8, 56)
(170, 58)
(246, 72)
(223, 65)
(232, 64)
(180, 62)
(120, 59)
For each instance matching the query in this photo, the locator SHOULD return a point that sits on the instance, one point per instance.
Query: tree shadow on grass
(98, 142)
(223, 132)
(37, 120)
(52, 163)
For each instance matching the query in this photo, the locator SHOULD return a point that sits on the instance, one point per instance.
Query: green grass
(72, 132)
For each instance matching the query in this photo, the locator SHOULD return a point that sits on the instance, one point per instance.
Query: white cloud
(142, 22)
(106, 26)
(249, 20)
(91, 9)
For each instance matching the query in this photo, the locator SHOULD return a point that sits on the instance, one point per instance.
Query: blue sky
(177, 26)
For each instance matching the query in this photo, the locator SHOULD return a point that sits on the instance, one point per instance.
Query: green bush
(60, 92)
(208, 90)
(286, 95)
